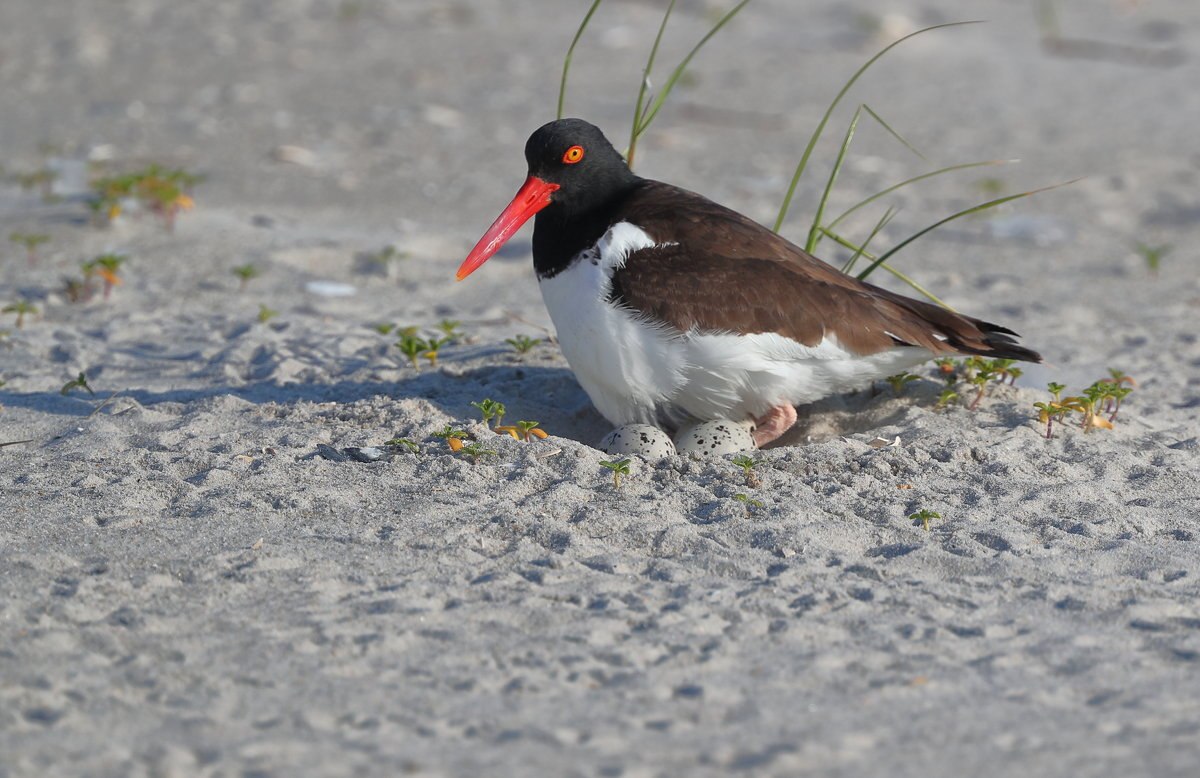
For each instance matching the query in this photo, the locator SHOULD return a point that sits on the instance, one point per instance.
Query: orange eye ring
(573, 155)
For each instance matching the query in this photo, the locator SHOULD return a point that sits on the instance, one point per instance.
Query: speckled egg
(720, 436)
(641, 439)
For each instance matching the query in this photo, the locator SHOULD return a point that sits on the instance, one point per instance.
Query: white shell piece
(641, 440)
(720, 436)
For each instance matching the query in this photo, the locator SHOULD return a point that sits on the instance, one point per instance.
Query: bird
(670, 307)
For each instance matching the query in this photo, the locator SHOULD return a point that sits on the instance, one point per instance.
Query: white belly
(637, 372)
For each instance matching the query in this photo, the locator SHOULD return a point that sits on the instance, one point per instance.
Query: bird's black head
(574, 175)
(575, 156)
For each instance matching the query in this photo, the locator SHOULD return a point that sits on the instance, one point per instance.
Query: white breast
(635, 370)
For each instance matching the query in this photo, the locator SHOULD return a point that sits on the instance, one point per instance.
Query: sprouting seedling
(475, 451)
(522, 344)
(619, 467)
(947, 396)
(1153, 255)
(923, 517)
(31, 242)
(1055, 390)
(747, 464)
(245, 274)
(749, 501)
(490, 409)
(385, 256)
(453, 437)
(383, 327)
(432, 346)
(450, 328)
(407, 443)
(529, 430)
(78, 382)
(898, 381)
(412, 347)
(1049, 412)
(21, 308)
(107, 267)
(265, 314)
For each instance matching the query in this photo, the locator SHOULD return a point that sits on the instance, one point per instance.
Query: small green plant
(923, 517)
(21, 308)
(947, 396)
(245, 274)
(106, 267)
(751, 503)
(1102, 397)
(412, 347)
(475, 451)
(432, 346)
(619, 467)
(747, 464)
(528, 429)
(450, 329)
(407, 443)
(1152, 255)
(898, 382)
(490, 409)
(383, 328)
(522, 344)
(78, 382)
(454, 437)
(385, 256)
(161, 191)
(265, 314)
(30, 242)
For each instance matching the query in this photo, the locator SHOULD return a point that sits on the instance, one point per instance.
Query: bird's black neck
(560, 233)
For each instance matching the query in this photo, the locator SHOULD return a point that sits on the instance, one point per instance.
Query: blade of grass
(858, 252)
(637, 109)
(562, 87)
(656, 104)
(841, 241)
(812, 141)
(815, 229)
(965, 212)
(892, 132)
(908, 181)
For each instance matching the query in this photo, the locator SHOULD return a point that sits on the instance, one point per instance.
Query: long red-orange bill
(533, 196)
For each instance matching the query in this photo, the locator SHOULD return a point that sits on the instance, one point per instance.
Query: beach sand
(197, 580)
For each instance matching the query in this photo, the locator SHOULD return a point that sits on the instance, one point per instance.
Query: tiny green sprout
(30, 242)
(407, 443)
(522, 344)
(450, 433)
(246, 273)
(265, 314)
(107, 267)
(450, 328)
(947, 396)
(619, 467)
(898, 381)
(1055, 389)
(383, 327)
(923, 517)
(21, 308)
(412, 347)
(1050, 412)
(385, 256)
(490, 409)
(79, 382)
(747, 464)
(528, 429)
(475, 451)
(1153, 255)
(750, 502)
(980, 371)
(432, 346)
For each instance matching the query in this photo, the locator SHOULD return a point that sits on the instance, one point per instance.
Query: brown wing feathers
(728, 273)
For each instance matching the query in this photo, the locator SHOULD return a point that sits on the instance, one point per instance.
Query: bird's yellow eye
(573, 155)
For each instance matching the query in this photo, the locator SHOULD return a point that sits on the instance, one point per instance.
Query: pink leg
(774, 423)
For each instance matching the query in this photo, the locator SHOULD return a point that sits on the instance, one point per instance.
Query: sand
(197, 581)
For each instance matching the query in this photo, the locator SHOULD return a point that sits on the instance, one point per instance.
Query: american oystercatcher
(670, 307)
